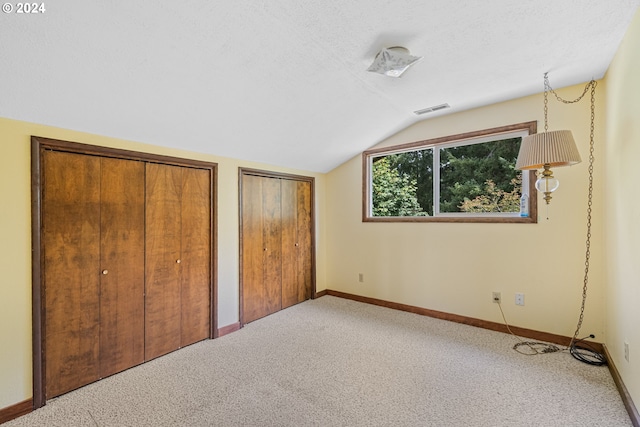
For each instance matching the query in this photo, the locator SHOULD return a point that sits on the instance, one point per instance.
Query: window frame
(492, 134)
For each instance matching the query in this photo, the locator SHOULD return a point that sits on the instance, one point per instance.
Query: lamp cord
(587, 355)
(589, 209)
(535, 347)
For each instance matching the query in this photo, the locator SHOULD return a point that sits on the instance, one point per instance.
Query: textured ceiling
(284, 81)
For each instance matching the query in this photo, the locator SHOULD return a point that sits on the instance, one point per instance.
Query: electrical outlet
(496, 297)
(519, 299)
(361, 278)
(626, 351)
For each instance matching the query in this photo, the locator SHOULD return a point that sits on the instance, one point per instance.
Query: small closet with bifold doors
(277, 260)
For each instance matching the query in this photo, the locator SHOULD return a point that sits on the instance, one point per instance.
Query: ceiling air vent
(432, 109)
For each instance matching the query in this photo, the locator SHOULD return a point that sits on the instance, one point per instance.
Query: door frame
(38, 146)
(278, 175)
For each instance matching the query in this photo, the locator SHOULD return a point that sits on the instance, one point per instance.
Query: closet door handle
(178, 261)
(105, 272)
(265, 249)
(297, 244)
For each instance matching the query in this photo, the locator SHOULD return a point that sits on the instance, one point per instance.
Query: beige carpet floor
(335, 362)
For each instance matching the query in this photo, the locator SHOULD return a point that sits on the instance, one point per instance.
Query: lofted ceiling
(284, 82)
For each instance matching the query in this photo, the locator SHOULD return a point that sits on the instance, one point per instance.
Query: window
(460, 178)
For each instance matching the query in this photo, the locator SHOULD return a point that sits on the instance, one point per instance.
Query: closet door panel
(290, 244)
(121, 265)
(304, 246)
(196, 255)
(253, 288)
(71, 278)
(261, 250)
(272, 232)
(296, 242)
(162, 259)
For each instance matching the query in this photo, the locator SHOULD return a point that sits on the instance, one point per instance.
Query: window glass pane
(470, 177)
(480, 177)
(402, 184)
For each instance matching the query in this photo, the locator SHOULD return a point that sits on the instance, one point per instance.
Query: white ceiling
(284, 81)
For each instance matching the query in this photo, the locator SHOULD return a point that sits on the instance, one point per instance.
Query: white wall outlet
(519, 299)
(360, 277)
(626, 351)
(496, 297)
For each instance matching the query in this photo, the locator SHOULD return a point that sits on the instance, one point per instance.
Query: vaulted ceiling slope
(284, 81)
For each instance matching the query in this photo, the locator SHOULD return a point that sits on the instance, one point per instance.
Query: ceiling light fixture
(393, 61)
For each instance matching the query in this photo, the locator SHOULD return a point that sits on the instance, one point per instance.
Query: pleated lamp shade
(555, 148)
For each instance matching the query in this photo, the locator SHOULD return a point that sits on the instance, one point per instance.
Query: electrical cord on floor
(583, 352)
(535, 346)
(586, 353)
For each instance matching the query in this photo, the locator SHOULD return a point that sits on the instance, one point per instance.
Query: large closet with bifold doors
(277, 255)
(124, 270)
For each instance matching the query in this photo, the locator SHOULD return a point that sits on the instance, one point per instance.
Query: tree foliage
(471, 176)
(418, 165)
(465, 170)
(393, 194)
(495, 199)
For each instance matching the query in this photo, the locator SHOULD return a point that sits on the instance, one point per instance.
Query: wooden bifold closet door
(296, 241)
(93, 230)
(126, 264)
(177, 258)
(276, 233)
(261, 247)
